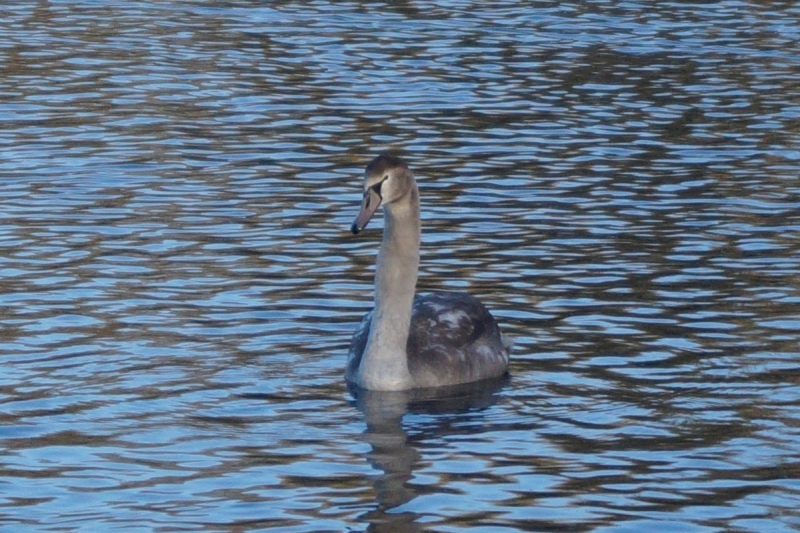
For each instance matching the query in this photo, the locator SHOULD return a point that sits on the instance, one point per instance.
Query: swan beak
(371, 203)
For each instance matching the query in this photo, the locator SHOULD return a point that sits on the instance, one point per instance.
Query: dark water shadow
(394, 453)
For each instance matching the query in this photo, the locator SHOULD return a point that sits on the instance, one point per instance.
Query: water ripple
(178, 287)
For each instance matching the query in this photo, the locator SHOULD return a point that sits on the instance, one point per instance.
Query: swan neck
(384, 365)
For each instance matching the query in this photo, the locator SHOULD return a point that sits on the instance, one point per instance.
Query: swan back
(452, 339)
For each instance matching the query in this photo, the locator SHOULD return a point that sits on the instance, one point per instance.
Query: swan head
(386, 180)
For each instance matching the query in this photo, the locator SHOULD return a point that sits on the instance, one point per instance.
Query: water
(617, 181)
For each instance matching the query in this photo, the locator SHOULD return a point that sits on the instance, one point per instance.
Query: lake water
(618, 181)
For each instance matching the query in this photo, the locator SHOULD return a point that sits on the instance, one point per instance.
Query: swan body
(412, 341)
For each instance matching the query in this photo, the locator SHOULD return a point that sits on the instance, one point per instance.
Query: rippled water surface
(618, 181)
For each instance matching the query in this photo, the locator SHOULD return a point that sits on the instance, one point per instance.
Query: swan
(410, 341)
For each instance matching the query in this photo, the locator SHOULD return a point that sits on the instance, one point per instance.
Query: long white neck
(384, 364)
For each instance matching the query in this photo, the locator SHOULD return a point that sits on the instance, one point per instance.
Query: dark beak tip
(355, 229)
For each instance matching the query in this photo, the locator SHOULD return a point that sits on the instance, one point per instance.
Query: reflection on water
(619, 183)
(395, 454)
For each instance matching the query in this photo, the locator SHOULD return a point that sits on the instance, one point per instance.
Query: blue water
(618, 182)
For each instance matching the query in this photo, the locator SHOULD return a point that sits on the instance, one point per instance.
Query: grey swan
(409, 340)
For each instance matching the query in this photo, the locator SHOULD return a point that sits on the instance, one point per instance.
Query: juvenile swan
(405, 342)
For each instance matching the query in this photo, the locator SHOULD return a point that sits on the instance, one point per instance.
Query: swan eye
(377, 186)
